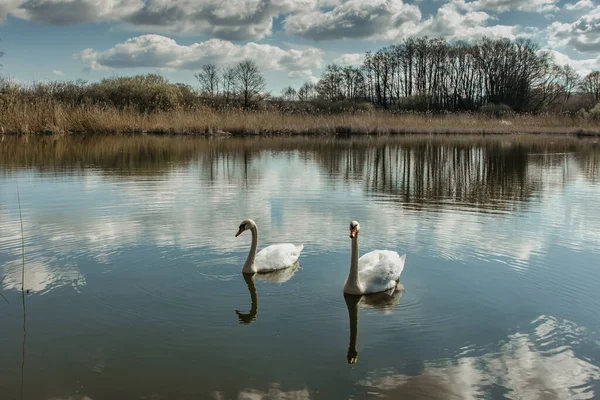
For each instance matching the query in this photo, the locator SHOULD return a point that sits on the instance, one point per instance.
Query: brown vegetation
(55, 118)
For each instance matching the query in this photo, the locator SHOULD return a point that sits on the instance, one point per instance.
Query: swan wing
(277, 256)
(380, 270)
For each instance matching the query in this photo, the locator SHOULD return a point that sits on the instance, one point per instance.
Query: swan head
(354, 229)
(245, 225)
(352, 356)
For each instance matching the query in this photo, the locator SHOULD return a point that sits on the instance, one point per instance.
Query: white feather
(277, 256)
(379, 270)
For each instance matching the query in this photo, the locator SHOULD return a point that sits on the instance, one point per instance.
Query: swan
(271, 258)
(374, 272)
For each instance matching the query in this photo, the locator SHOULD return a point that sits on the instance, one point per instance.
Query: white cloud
(305, 74)
(583, 34)
(508, 5)
(580, 5)
(350, 59)
(57, 72)
(355, 19)
(393, 20)
(69, 12)
(157, 51)
(583, 67)
(233, 19)
(253, 19)
(453, 24)
(8, 7)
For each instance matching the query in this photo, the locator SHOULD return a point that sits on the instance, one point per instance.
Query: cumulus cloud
(232, 20)
(453, 24)
(583, 34)
(508, 5)
(355, 19)
(305, 74)
(583, 67)
(253, 19)
(57, 72)
(580, 5)
(69, 12)
(393, 20)
(8, 7)
(158, 51)
(350, 59)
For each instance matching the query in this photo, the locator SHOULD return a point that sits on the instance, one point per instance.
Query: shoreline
(340, 131)
(60, 120)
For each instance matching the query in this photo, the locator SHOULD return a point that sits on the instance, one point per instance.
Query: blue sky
(292, 40)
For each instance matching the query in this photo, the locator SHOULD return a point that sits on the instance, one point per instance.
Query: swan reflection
(382, 301)
(279, 276)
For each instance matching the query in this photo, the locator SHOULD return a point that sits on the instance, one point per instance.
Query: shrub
(594, 113)
(496, 110)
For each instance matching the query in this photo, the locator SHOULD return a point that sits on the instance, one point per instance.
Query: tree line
(421, 74)
(431, 74)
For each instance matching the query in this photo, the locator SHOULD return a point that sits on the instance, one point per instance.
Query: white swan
(271, 258)
(374, 272)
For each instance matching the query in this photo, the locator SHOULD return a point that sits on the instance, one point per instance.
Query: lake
(135, 288)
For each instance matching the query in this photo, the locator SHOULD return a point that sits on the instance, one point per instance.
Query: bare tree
(329, 86)
(229, 77)
(209, 80)
(288, 93)
(591, 86)
(570, 81)
(249, 80)
(306, 91)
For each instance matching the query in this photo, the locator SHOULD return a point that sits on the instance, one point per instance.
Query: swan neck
(353, 277)
(253, 296)
(353, 317)
(249, 266)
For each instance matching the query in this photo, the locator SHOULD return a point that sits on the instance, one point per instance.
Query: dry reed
(46, 116)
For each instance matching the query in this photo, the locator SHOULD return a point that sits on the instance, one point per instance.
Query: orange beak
(240, 232)
(352, 233)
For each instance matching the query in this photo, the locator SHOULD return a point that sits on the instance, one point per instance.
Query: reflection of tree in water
(418, 170)
(433, 172)
(482, 173)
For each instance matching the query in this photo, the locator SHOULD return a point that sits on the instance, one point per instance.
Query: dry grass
(55, 118)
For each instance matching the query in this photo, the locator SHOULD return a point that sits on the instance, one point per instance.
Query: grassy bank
(56, 118)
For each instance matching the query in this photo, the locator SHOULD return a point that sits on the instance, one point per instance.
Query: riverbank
(56, 119)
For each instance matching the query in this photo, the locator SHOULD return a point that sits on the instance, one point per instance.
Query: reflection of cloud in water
(75, 397)
(309, 198)
(273, 393)
(43, 270)
(535, 365)
(40, 277)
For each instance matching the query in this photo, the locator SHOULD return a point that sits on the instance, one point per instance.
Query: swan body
(374, 272)
(271, 258)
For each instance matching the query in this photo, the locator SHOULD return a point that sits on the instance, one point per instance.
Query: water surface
(134, 275)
